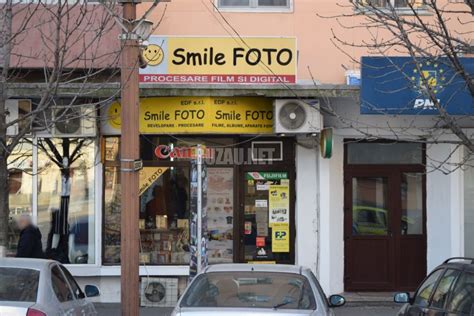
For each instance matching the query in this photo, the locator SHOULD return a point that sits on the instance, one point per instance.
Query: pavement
(348, 310)
(109, 309)
(358, 304)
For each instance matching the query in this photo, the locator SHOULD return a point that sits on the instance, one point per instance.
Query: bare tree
(424, 30)
(56, 45)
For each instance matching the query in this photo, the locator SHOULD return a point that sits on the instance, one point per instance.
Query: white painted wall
(331, 183)
(444, 204)
(306, 203)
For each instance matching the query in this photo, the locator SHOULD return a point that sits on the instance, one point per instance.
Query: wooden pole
(129, 249)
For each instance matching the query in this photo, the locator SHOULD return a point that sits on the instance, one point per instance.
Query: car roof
(466, 264)
(243, 267)
(25, 263)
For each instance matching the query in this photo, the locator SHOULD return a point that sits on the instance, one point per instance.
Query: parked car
(255, 289)
(38, 287)
(447, 291)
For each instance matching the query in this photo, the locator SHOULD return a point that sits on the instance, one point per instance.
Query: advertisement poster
(279, 204)
(281, 237)
(220, 214)
(148, 175)
(219, 60)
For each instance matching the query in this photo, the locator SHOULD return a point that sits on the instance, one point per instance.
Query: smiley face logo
(153, 55)
(113, 114)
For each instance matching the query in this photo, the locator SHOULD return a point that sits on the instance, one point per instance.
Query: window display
(220, 214)
(164, 215)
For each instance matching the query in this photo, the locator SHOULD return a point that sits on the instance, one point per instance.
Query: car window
(60, 286)
(423, 294)
(76, 290)
(18, 285)
(250, 289)
(320, 289)
(462, 296)
(444, 286)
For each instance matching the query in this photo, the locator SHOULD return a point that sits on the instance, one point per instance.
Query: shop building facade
(375, 215)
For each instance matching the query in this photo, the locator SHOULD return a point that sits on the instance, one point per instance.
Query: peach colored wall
(313, 33)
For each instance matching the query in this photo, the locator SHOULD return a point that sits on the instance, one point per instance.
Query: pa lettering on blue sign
(399, 85)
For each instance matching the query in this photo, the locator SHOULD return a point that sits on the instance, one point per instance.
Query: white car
(255, 289)
(37, 287)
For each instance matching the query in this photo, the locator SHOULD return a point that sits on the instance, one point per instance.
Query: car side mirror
(401, 298)
(336, 301)
(91, 291)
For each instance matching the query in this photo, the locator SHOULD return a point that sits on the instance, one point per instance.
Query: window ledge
(94, 270)
(400, 11)
(255, 10)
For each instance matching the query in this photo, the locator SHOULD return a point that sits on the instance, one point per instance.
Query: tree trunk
(5, 36)
(4, 208)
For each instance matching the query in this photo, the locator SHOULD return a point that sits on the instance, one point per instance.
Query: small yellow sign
(281, 237)
(148, 175)
(198, 115)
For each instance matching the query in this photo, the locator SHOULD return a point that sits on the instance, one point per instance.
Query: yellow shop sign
(198, 115)
(204, 60)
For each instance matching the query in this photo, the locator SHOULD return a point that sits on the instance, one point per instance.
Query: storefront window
(164, 215)
(167, 201)
(469, 208)
(112, 194)
(20, 167)
(66, 216)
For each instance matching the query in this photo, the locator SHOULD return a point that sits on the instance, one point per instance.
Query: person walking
(29, 244)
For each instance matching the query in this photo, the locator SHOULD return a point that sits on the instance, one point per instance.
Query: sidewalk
(368, 304)
(369, 298)
(113, 309)
(358, 303)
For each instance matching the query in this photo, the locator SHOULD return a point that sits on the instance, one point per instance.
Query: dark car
(447, 291)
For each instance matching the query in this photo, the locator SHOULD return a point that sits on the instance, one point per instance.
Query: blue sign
(394, 85)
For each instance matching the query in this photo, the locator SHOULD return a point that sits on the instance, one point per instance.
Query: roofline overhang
(108, 90)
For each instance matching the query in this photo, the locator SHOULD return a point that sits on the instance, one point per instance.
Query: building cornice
(108, 90)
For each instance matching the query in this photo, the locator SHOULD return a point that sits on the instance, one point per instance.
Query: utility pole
(129, 247)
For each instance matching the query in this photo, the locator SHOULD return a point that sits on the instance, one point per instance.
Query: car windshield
(18, 285)
(250, 289)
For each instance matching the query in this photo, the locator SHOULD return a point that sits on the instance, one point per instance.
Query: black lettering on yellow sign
(246, 115)
(252, 56)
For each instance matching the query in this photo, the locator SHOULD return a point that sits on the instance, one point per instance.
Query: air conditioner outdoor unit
(159, 292)
(17, 109)
(293, 116)
(74, 121)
